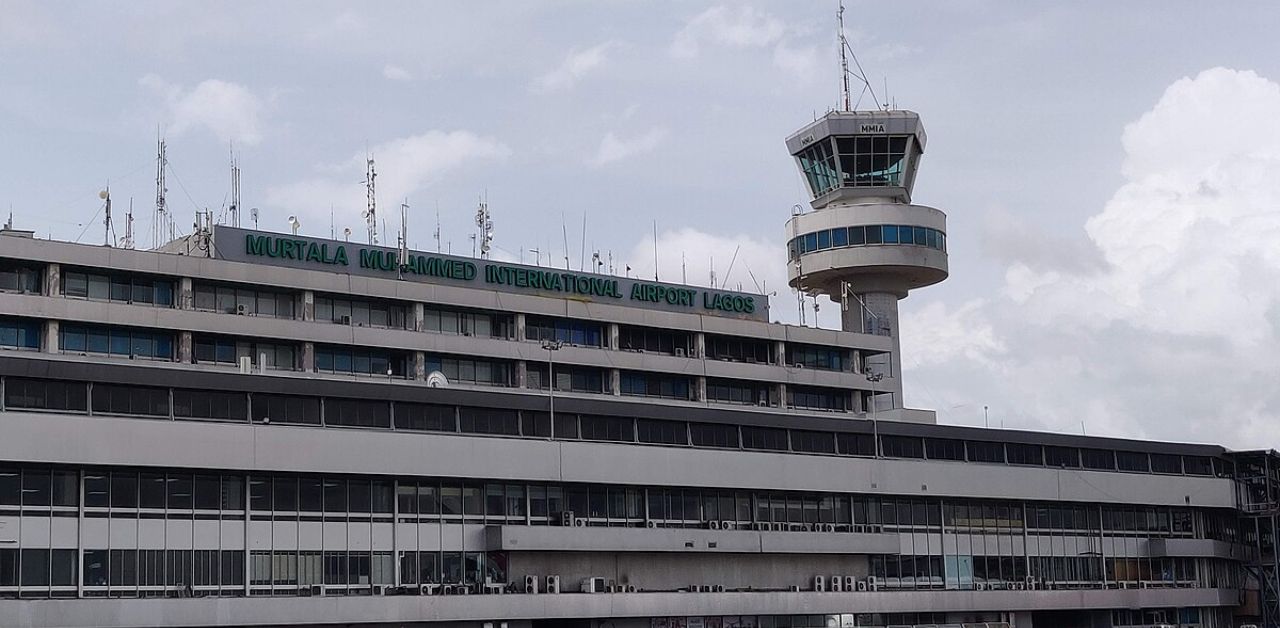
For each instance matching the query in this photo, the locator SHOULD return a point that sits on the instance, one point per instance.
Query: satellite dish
(437, 380)
(103, 195)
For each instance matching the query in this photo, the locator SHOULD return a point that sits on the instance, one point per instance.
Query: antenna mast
(844, 59)
(108, 232)
(234, 210)
(484, 221)
(404, 236)
(371, 213)
(127, 242)
(161, 222)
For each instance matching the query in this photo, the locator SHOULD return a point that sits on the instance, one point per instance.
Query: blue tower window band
(865, 235)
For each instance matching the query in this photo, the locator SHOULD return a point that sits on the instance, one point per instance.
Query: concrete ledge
(365, 610)
(1198, 548)
(598, 539)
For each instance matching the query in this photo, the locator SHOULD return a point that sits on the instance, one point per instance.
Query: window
(268, 408)
(736, 349)
(123, 288)
(813, 442)
(228, 351)
(361, 313)
(360, 361)
(738, 392)
(572, 332)
(210, 404)
(1019, 453)
(1166, 463)
(477, 372)
(39, 394)
(662, 432)
(116, 341)
(608, 428)
(856, 444)
(357, 413)
(426, 417)
(1197, 465)
(714, 435)
(489, 421)
(21, 277)
(1062, 457)
(873, 161)
(985, 452)
(467, 323)
(809, 356)
(1132, 461)
(125, 399)
(814, 398)
(653, 340)
(245, 301)
(1098, 459)
(535, 424)
(654, 385)
(902, 447)
(19, 333)
(764, 438)
(944, 449)
(818, 163)
(578, 379)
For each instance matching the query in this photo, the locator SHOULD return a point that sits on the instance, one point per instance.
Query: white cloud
(577, 64)
(395, 73)
(230, 111)
(405, 165)
(614, 148)
(1175, 332)
(727, 25)
(800, 63)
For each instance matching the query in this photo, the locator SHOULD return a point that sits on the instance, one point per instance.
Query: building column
(52, 280)
(615, 382)
(699, 346)
(308, 305)
(186, 294)
(521, 374)
(49, 341)
(519, 327)
(419, 316)
(185, 352)
(613, 336)
(308, 357)
(782, 395)
(419, 363)
(700, 388)
(780, 353)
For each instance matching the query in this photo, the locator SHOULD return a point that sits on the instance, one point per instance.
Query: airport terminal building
(245, 428)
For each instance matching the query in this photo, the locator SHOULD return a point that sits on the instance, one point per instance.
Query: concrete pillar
(186, 353)
(521, 374)
(613, 336)
(519, 327)
(615, 382)
(308, 306)
(419, 361)
(419, 316)
(699, 346)
(186, 294)
(49, 341)
(780, 352)
(700, 388)
(52, 280)
(782, 395)
(308, 357)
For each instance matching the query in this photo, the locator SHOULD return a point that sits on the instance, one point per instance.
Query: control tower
(864, 243)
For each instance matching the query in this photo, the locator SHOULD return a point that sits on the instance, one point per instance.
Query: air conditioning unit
(680, 352)
(798, 365)
(1032, 584)
(580, 522)
(427, 589)
(873, 584)
(651, 524)
(718, 588)
(1144, 585)
(241, 309)
(728, 525)
(630, 588)
(819, 583)
(446, 589)
(980, 586)
(861, 586)
(345, 320)
(317, 589)
(530, 584)
(859, 528)
(795, 588)
(779, 527)
(613, 588)
(553, 584)
(828, 527)
(566, 518)
(592, 585)
(462, 589)
(849, 583)
(714, 525)
(836, 584)
(379, 589)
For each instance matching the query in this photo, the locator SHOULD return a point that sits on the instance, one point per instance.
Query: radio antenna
(404, 236)
(846, 49)
(109, 232)
(161, 222)
(371, 212)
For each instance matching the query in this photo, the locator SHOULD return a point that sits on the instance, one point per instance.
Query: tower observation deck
(864, 243)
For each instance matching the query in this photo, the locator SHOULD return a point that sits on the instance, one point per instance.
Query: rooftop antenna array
(484, 225)
(846, 51)
(109, 230)
(437, 233)
(403, 239)
(234, 210)
(161, 220)
(127, 242)
(371, 212)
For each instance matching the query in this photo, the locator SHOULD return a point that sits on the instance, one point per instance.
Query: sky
(1109, 170)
